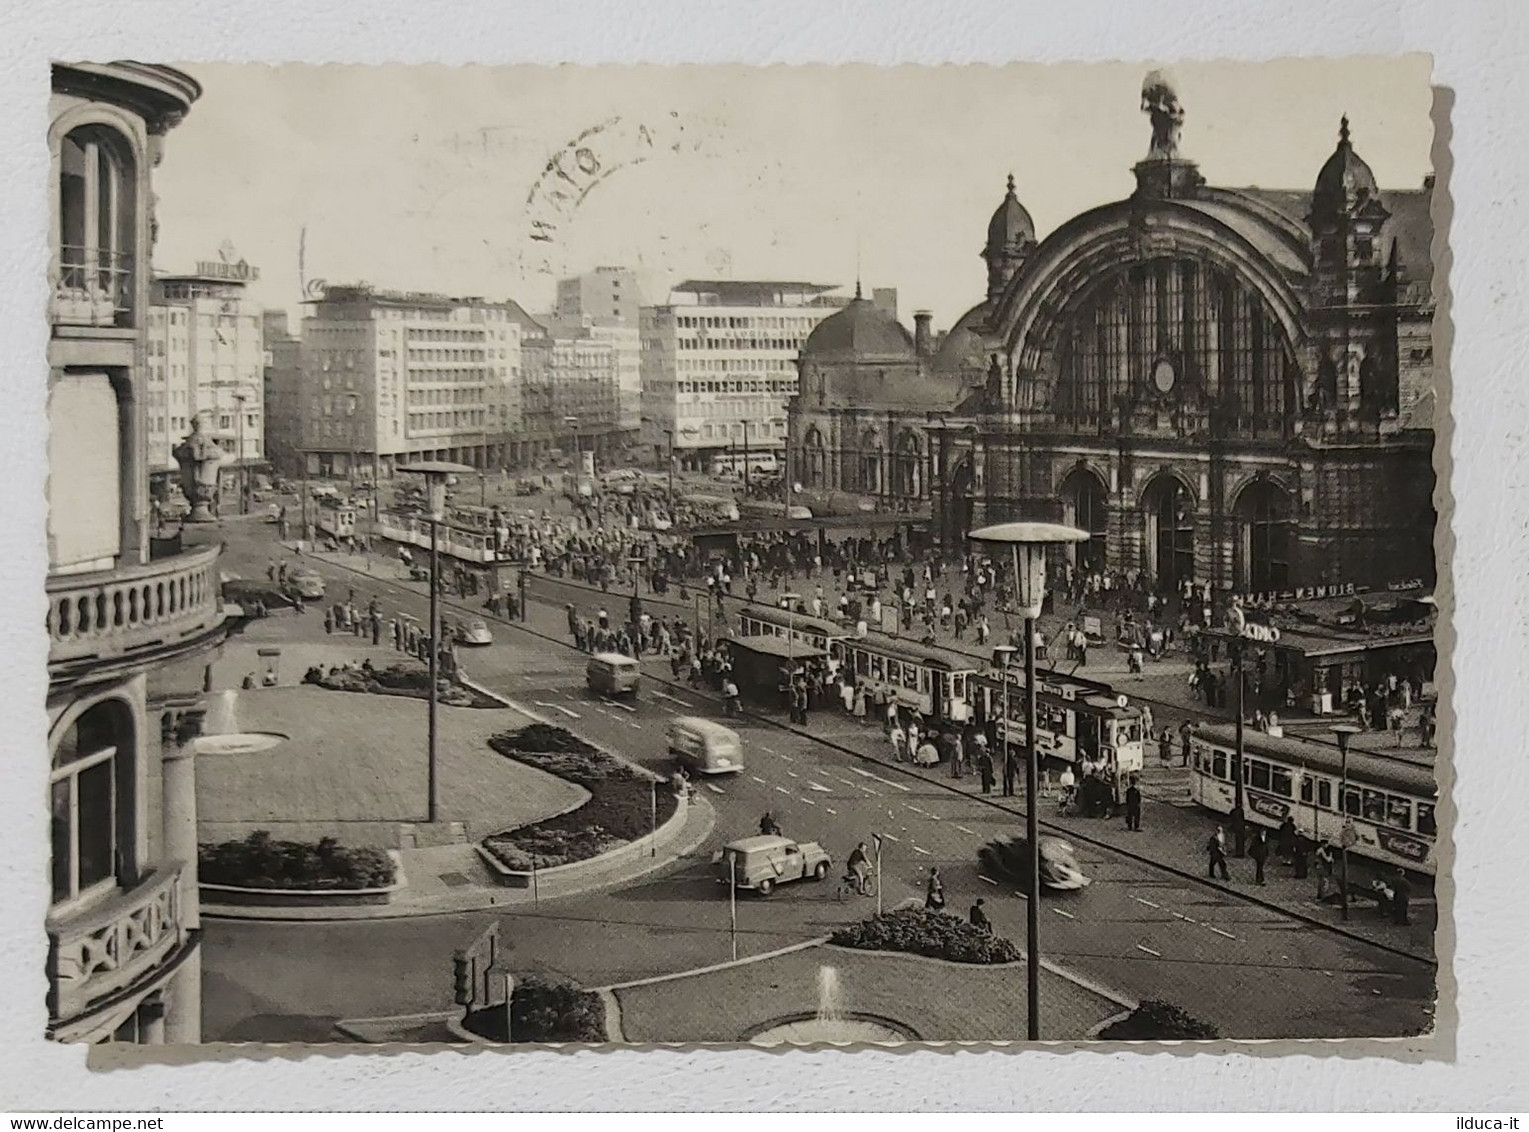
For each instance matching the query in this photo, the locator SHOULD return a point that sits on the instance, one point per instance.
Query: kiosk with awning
(760, 663)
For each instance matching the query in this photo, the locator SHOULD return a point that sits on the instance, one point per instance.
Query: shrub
(618, 811)
(935, 935)
(412, 680)
(246, 591)
(1155, 1021)
(545, 1010)
(261, 862)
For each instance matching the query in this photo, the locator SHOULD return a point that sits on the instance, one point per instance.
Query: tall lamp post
(1029, 543)
(1344, 732)
(244, 476)
(436, 474)
(635, 562)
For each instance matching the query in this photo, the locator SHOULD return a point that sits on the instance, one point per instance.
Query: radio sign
(240, 272)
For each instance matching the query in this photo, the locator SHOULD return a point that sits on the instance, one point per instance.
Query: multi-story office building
(391, 377)
(130, 616)
(719, 366)
(283, 394)
(582, 375)
(605, 304)
(206, 359)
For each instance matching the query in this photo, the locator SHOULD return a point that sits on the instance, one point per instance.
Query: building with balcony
(392, 377)
(130, 617)
(206, 359)
(1224, 386)
(719, 367)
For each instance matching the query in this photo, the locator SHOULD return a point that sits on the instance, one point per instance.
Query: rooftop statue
(1161, 102)
(200, 459)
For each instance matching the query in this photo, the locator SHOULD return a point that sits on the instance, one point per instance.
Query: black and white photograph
(748, 556)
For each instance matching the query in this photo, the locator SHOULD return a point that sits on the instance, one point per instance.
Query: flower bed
(259, 862)
(1155, 1021)
(412, 680)
(619, 809)
(247, 591)
(934, 935)
(544, 1010)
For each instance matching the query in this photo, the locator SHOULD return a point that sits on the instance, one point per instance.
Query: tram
(336, 518)
(1389, 804)
(1076, 720)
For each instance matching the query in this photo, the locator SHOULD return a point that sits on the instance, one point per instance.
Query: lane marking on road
(759, 780)
(818, 786)
(831, 810)
(916, 810)
(1186, 919)
(925, 852)
(714, 788)
(1218, 931)
(1069, 915)
(878, 778)
(783, 790)
(809, 801)
(638, 726)
(792, 774)
(558, 707)
(1148, 903)
(891, 837)
(671, 699)
(963, 829)
(762, 747)
(1149, 951)
(618, 703)
(990, 880)
(783, 755)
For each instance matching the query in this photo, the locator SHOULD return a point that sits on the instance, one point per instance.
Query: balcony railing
(94, 288)
(115, 944)
(153, 606)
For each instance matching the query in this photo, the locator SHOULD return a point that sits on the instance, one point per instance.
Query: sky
(495, 181)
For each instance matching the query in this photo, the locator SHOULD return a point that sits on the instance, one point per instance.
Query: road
(1141, 930)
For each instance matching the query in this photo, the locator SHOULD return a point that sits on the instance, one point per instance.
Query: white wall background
(1478, 46)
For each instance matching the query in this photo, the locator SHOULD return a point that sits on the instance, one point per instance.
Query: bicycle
(851, 885)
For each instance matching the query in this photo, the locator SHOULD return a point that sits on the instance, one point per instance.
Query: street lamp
(1344, 732)
(791, 599)
(244, 479)
(1029, 543)
(436, 473)
(635, 561)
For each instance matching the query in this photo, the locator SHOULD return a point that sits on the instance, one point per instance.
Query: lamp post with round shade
(436, 473)
(1344, 732)
(1029, 543)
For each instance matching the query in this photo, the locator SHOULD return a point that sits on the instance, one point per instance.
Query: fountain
(830, 1025)
(221, 734)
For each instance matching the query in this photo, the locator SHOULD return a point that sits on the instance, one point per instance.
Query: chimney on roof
(923, 341)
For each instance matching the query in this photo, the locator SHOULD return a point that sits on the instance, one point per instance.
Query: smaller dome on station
(862, 331)
(1010, 225)
(1345, 180)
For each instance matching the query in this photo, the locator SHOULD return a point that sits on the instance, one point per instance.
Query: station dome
(861, 332)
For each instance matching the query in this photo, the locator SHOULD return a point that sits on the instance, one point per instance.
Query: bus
(1388, 804)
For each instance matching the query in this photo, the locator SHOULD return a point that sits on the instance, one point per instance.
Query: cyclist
(859, 868)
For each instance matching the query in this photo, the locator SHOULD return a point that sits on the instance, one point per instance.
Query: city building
(582, 375)
(283, 394)
(1230, 386)
(868, 391)
(206, 359)
(605, 304)
(719, 367)
(391, 377)
(132, 612)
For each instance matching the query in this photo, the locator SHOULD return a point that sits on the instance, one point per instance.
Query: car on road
(761, 863)
(306, 584)
(704, 747)
(612, 674)
(474, 632)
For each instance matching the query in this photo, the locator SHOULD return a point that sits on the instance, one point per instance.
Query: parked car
(761, 863)
(474, 632)
(306, 584)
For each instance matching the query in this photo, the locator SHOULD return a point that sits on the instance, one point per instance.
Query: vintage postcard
(771, 556)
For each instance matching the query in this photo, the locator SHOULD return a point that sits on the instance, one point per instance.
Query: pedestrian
(1133, 806)
(899, 741)
(1285, 840)
(978, 917)
(1259, 851)
(328, 621)
(1324, 859)
(1216, 847)
(985, 768)
(934, 891)
(1401, 898)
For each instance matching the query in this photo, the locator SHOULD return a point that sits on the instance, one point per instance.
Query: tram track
(1050, 827)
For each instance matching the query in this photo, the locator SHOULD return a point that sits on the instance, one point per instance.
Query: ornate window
(84, 790)
(97, 216)
(814, 464)
(1167, 327)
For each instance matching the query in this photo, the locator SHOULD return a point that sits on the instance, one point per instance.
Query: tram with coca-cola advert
(1387, 805)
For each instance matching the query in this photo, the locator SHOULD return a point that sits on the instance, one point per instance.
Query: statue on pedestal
(200, 461)
(1161, 103)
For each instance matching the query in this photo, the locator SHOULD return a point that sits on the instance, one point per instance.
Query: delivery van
(611, 674)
